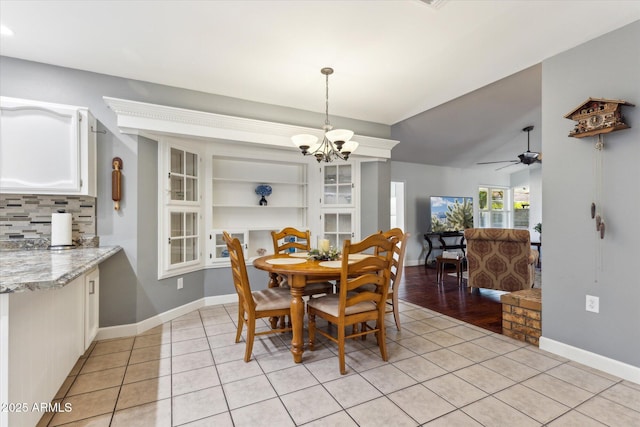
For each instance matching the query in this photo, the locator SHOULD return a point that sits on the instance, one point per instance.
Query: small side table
(440, 263)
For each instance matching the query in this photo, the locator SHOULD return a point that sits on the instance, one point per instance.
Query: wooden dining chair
(252, 305)
(349, 308)
(397, 266)
(282, 243)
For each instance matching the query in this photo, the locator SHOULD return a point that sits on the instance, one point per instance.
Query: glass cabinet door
(184, 237)
(184, 175)
(338, 185)
(338, 227)
(219, 247)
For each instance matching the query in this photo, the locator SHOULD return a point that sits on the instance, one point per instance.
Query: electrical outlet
(593, 304)
(180, 283)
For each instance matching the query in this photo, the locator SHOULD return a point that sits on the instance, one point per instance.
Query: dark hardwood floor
(481, 308)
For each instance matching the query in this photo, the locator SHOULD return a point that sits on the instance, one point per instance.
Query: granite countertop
(32, 270)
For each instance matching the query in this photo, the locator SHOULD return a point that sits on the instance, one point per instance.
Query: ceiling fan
(527, 158)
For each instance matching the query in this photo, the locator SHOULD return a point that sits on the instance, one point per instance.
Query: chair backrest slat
(374, 269)
(280, 244)
(239, 272)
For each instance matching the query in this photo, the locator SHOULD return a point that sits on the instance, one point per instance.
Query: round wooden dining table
(299, 271)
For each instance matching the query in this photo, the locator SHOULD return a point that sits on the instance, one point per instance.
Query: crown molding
(141, 118)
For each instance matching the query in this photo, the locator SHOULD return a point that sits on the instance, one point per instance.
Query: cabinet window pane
(177, 187)
(191, 249)
(176, 224)
(344, 175)
(345, 223)
(329, 194)
(330, 174)
(177, 161)
(177, 249)
(344, 194)
(191, 164)
(191, 189)
(191, 224)
(330, 223)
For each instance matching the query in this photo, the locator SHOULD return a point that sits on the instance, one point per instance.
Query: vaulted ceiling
(445, 66)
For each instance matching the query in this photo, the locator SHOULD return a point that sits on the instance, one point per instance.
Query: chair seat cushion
(312, 288)
(329, 304)
(272, 299)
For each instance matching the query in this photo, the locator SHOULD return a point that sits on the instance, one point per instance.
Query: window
(181, 209)
(397, 205)
(521, 207)
(493, 207)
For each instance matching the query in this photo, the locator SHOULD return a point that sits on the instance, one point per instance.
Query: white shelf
(256, 182)
(260, 207)
(235, 205)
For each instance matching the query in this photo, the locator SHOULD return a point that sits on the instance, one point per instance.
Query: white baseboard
(146, 324)
(412, 262)
(605, 364)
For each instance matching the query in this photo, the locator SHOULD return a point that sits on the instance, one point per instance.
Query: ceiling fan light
(339, 135)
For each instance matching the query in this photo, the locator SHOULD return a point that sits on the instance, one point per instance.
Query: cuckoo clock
(596, 116)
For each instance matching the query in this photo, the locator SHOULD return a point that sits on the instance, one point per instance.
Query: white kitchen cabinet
(91, 306)
(43, 333)
(46, 148)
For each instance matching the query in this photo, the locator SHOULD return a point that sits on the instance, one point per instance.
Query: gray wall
(375, 196)
(424, 181)
(130, 291)
(576, 261)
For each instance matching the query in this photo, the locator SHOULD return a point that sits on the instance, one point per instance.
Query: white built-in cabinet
(338, 205)
(235, 207)
(46, 148)
(43, 333)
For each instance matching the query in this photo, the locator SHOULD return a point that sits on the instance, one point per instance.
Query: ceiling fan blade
(500, 161)
(512, 164)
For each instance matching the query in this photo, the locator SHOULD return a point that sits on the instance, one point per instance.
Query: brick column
(521, 315)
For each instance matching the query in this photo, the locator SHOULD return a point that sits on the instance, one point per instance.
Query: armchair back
(500, 258)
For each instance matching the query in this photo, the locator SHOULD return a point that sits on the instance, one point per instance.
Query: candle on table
(323, 245)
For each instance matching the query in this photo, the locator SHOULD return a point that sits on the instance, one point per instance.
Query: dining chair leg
(251, 331)
(240, 323)
(341, 344)
(382, 341)
(312, 331)
(396, 315)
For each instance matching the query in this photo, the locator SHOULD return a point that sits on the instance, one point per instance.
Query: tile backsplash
(29, 216)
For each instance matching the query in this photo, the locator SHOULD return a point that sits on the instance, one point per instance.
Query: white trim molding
(593, 360)
(133, 329)
(141, 118)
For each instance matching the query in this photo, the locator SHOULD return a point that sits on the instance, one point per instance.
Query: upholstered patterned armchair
(500, 258)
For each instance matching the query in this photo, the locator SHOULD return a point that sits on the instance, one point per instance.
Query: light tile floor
(441, 372)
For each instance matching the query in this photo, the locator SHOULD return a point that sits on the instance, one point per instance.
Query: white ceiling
(392, 59)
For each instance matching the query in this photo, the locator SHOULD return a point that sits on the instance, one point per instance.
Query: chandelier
(335, 142)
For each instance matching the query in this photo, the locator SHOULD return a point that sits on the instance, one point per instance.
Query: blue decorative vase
(263, 190)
